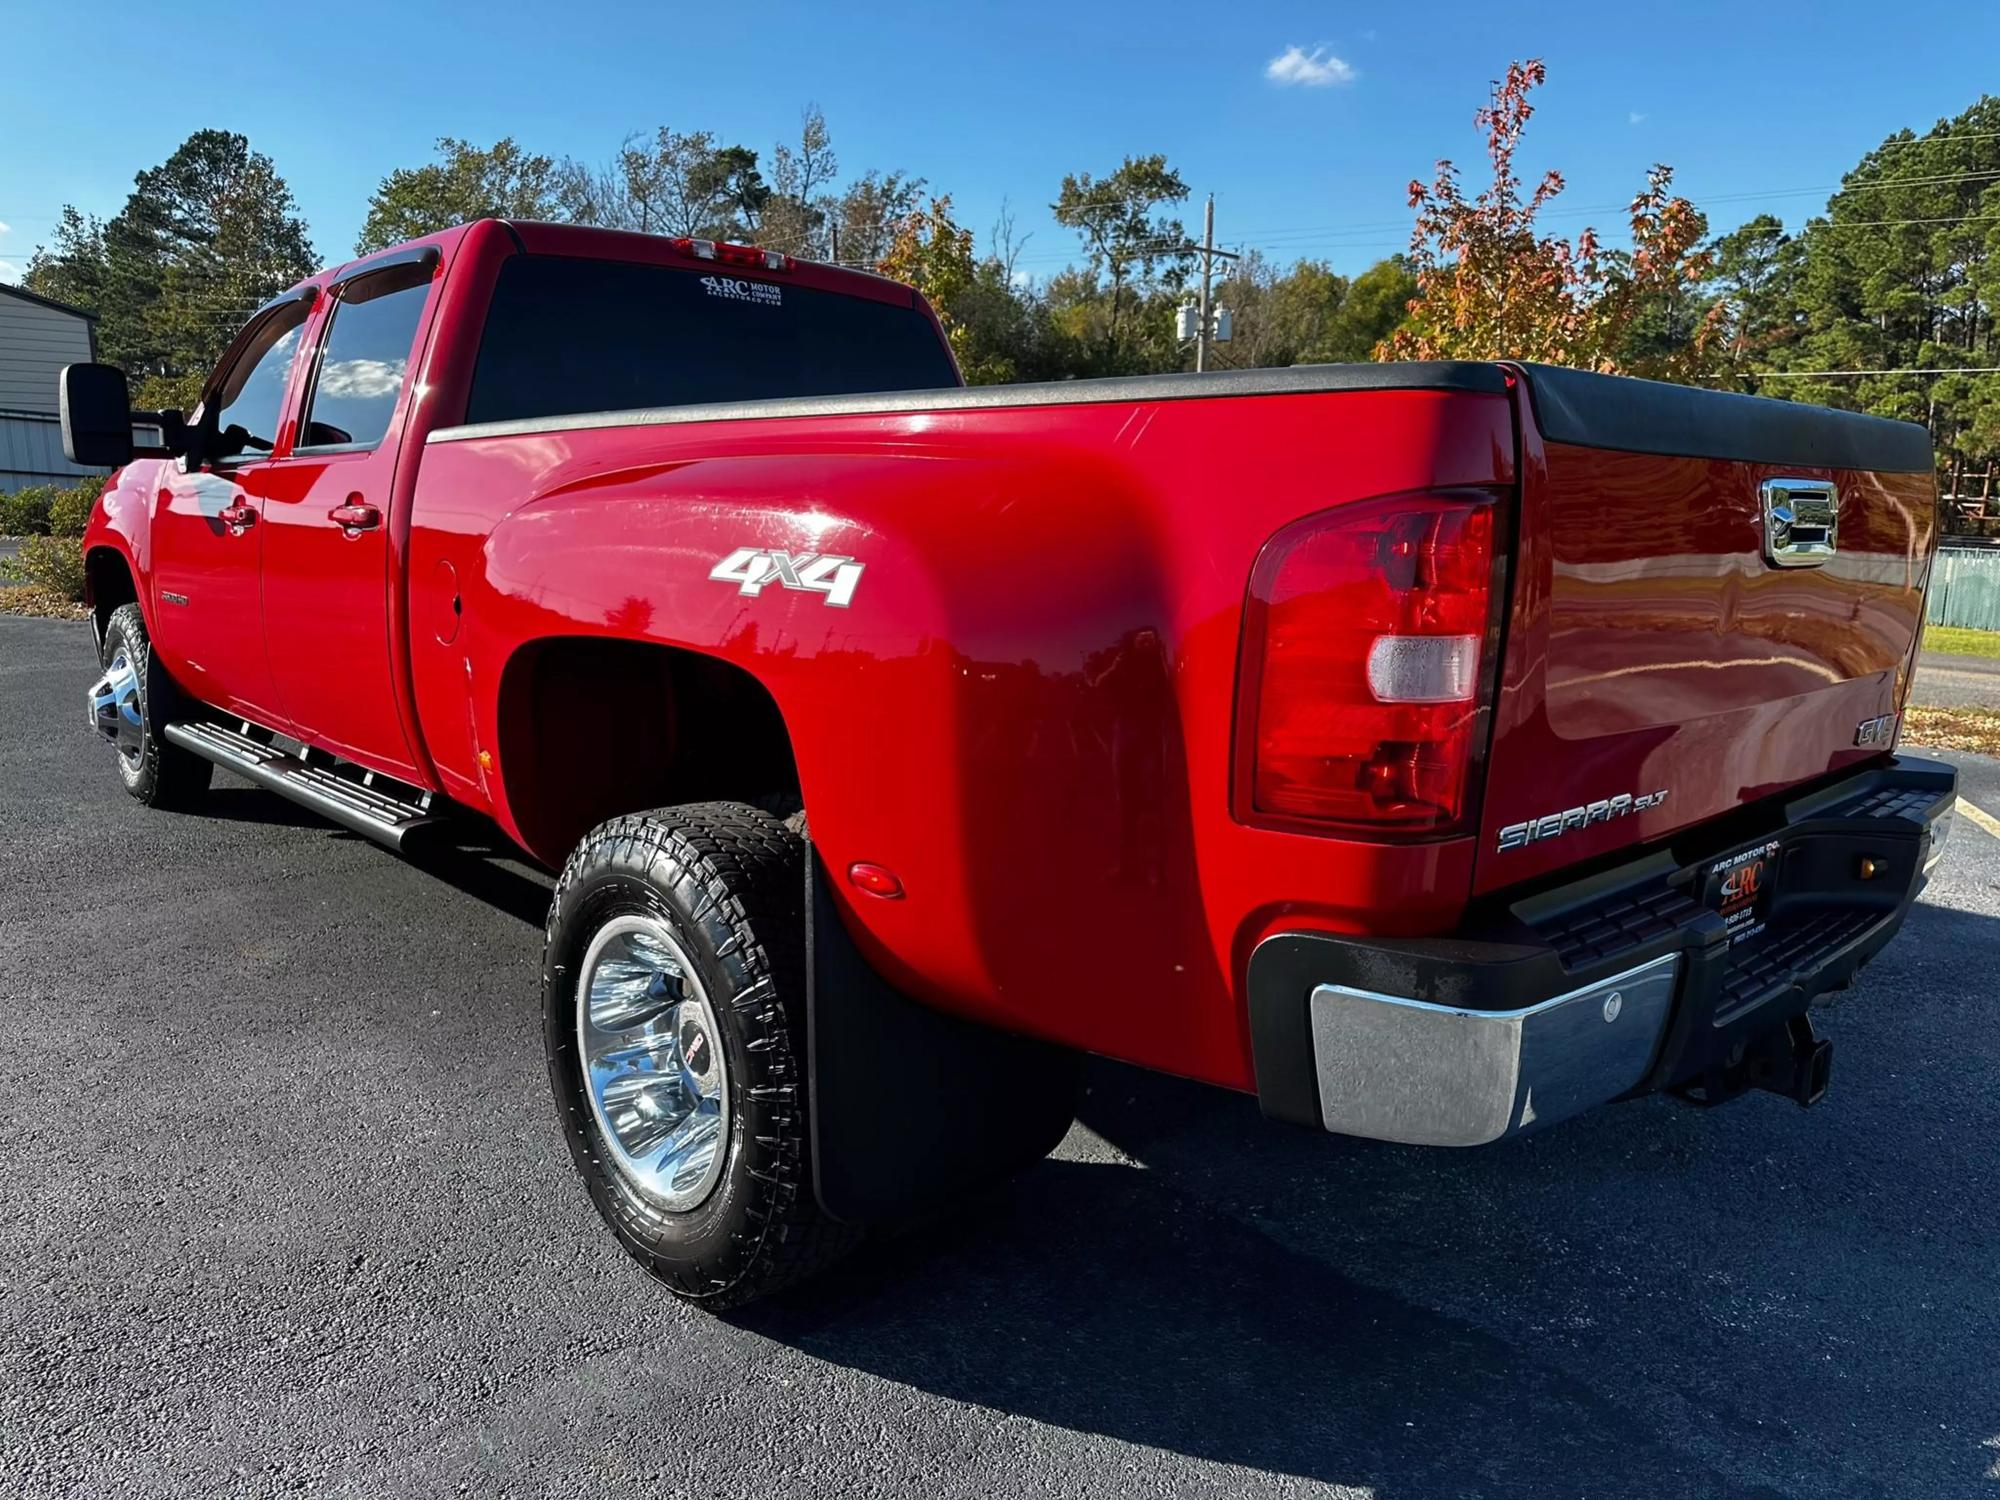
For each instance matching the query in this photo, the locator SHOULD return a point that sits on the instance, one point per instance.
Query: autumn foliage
(1491, 286)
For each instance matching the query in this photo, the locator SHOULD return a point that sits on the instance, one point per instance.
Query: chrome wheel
(653, 1060)
(115, 708)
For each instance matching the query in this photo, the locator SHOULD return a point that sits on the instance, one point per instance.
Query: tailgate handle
(1801, 521)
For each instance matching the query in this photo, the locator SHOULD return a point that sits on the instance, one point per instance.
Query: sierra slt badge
(751, 568)
(1555, 825)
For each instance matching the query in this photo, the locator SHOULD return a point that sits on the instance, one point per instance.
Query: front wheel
(129, 706)
(674, 1020)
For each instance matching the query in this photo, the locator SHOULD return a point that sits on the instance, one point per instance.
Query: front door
(207, 533)
(326, 550)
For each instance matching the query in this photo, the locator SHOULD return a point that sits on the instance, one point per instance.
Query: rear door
(207, 529)
(1717, 599)
(327, 550)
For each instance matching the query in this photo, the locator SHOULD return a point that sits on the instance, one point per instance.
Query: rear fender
(933, 662)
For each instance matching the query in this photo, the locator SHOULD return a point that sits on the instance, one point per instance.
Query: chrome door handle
(237, 515)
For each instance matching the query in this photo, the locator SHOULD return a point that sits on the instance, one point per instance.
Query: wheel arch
(109, 580)
(593, 727)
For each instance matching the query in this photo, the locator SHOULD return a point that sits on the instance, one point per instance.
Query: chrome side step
(372, 805)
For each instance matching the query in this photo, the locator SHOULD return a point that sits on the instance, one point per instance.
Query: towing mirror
(99, 428)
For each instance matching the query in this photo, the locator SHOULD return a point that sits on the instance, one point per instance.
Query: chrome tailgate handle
(1801, 521)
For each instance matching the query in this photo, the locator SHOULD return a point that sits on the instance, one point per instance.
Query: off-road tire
(728, 881)
(164, 776)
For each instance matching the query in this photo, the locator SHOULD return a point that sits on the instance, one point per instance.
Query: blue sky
(1759, 105)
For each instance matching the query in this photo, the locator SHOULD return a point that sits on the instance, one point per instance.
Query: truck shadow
(1654, 1299)
(468, 853)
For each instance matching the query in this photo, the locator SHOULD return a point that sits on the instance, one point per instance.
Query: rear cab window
(566, 335)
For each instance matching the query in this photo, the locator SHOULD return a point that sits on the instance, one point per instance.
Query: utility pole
(1205, 319)
(1207, 269)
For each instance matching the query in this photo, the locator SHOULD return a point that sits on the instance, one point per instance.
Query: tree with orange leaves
(1489, 286)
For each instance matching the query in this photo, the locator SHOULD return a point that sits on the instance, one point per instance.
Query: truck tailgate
(1674, 650)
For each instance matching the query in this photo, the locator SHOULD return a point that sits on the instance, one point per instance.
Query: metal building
(37, 338)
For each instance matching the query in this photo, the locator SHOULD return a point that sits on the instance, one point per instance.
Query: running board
(374, 806)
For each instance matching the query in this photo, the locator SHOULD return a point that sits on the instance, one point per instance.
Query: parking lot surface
(1949, 681)
(285, 1207)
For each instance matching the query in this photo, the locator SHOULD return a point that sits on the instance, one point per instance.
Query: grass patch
(1976, 729)
(1961, 642)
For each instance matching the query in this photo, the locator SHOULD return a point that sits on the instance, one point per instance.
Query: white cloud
(1315, 69)
(10, 273)
(1635, 118)
(5, 227)
(362, 378)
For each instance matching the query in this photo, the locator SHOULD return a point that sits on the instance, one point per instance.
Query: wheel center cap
(695, 1048)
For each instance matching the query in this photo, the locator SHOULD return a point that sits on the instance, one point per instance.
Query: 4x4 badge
(751, 568)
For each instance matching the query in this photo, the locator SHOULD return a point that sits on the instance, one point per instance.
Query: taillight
(1368, 638)
(724, 253)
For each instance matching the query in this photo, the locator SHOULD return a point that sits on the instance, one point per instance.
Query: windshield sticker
(760, 292)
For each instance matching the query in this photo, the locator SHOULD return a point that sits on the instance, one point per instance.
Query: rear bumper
(1622, 983)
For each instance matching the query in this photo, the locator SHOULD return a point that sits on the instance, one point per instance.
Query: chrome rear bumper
(1548, 1001)
(1396, 1069)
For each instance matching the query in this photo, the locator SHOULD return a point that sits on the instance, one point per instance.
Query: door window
(250, 397)
(365, 358)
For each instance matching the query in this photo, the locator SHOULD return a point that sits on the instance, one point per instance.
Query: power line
(1835, 374)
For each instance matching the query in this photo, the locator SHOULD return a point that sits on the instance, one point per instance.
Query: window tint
(564, 335)
(365, 357)
(251, 396)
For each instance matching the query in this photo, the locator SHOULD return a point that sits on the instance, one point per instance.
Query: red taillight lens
(1367, 637)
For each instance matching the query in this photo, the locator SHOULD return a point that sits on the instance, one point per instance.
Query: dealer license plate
(1738, 888)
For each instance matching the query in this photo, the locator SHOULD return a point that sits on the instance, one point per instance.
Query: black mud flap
(911, 1107)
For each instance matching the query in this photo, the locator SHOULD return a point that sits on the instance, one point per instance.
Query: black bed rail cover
(1410, 375)
(1587, 410)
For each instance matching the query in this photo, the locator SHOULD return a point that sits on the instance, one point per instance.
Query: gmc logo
(1878, 731)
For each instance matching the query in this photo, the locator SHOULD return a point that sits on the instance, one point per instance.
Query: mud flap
(911, 1107)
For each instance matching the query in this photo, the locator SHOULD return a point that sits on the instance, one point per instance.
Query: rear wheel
(130, 705)
(674, 1021)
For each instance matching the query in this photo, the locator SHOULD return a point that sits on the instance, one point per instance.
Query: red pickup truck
(1432, 750)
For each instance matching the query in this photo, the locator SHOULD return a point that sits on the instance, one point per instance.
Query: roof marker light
(753, 256)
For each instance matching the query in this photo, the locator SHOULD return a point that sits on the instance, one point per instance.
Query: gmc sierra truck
(1432, 750)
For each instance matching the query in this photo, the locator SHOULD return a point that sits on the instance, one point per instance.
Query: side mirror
(96, 411)
(99, 428)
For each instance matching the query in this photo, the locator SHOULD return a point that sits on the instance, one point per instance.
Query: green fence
(1965, 589)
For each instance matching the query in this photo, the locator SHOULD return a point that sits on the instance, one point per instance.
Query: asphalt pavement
(285, 1208)
(1945, 680)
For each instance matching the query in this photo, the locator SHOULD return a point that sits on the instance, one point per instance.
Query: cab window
(365, 358)
(250, 397)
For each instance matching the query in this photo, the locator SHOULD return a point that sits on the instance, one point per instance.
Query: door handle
(355, 517)
(237, 515)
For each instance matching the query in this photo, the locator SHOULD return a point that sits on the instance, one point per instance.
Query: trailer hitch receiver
(1788, 1060)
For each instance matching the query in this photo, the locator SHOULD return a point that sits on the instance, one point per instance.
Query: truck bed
(1027, 709)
